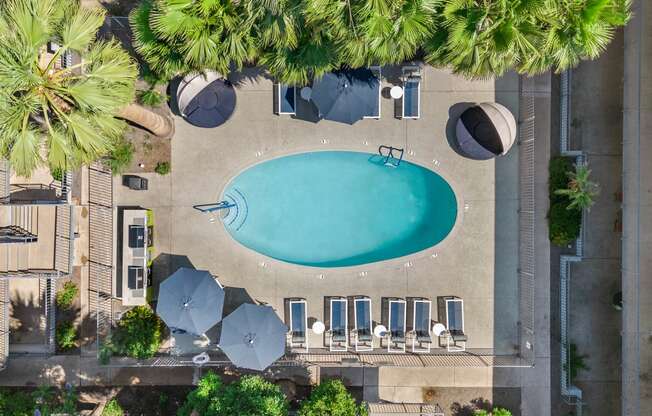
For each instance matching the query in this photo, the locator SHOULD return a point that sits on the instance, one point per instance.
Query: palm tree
(481, 38)
(182, 36)
(66, 115)
(581, 190)
(578, 29)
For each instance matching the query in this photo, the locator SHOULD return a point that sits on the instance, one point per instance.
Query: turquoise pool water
(335, 209)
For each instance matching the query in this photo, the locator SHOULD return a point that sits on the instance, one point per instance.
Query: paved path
(596, 120)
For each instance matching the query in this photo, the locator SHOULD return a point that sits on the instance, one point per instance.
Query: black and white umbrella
(253, 337)
(190, 300)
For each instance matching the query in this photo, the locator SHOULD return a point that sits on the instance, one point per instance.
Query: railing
(64, 238)
(572, 394)
(100, 219)
(4, 323)
(527, 218)
(49, 290)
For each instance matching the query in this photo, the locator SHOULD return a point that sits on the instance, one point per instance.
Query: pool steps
(237, 215)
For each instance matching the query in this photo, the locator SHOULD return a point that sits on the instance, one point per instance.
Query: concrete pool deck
(478, 263)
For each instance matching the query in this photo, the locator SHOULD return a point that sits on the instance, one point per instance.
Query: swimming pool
(336, 209)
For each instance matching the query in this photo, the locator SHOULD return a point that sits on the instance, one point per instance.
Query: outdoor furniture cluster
(191, 302)
(348, 96)
(348, 324)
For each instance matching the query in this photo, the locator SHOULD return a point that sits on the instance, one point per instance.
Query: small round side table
(318, 327)
(380, 331)
(306, 93)
(396, 92)
(438, 329)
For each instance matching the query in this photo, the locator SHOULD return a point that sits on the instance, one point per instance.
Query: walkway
(596, 123)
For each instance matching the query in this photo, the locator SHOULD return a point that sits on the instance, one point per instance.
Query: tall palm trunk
(157, 124)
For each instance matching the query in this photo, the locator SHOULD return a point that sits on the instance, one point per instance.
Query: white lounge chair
(377, 72)
(421, 329)
(362, 331)
(286, 99)
(411, 101)
(339, 330)
(396, 328)
(298, 324)
(455, 336)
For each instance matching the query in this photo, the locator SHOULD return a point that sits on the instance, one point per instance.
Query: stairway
(23, 221)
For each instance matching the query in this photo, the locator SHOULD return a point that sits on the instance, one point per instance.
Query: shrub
(138, 334)
(496, 411)
(250, 395)
(563, 224)
(67, 295)
(16, 403)
(150, 97)
(57, 174)
(66, 335)
(162, 168)
(120, 157)
(331, 398)
(580, 191)
(113, 408)
(576, 362)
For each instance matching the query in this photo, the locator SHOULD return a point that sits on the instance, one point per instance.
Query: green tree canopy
(331, 398)
(250, 395)
(182, 36)
(138, 334)
(65, 115)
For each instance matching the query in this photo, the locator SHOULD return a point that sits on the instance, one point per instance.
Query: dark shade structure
(206, 100)
(485, 131)
(253, 337)
(346, 96)
(190, 300)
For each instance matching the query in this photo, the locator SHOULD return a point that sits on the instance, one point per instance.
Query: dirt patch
(149, 150)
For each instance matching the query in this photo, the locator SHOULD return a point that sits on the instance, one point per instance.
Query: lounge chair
(411, 101)
(298, 323)
(286, 98)
(396, 328)
(421, 320)
(339, 329)
(376, 113)
(362, 331)
(454, 311)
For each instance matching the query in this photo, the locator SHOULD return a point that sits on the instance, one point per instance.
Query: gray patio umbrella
(253, 336)
(190, 300)
(346, 96)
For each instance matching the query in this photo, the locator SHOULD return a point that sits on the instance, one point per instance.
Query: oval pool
(336, 209)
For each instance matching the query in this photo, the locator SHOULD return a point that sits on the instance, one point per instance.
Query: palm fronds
(54, 115)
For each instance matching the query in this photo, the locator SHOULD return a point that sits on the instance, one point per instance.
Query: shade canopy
(206, 100)
(190, 300)
(346, 96)
(253, 337)
(485, 131)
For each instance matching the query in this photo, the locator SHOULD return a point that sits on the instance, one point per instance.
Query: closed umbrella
(346, 96)
(253, 337)
(190, 300)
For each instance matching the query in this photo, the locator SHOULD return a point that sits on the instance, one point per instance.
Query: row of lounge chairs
(286, 95)
(349, 324)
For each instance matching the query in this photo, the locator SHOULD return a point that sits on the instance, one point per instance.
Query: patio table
(380, 331)
(318, 327)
